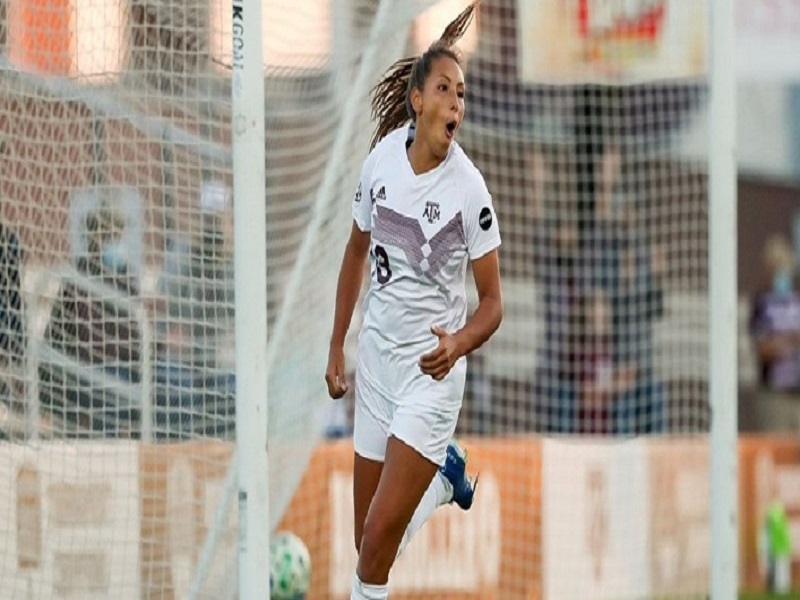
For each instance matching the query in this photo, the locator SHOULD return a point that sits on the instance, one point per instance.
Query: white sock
(439, 492)
(447, 495)
(368, 591)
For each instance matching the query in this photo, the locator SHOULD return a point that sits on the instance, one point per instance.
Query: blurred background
(587, 413)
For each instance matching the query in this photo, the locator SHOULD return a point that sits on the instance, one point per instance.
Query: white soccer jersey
(423, 229)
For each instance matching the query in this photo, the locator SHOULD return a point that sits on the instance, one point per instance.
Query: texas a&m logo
(431, 211)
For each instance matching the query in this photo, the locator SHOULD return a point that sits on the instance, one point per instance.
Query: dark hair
(391, 97)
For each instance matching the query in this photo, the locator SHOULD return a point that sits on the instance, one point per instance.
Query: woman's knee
(378, 536)
(373, 531)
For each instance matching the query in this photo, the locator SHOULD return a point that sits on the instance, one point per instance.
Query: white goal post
(250, 277)
(723, 292)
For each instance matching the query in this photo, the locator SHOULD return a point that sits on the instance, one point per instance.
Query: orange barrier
(454, 550)
(176, 513)
(553, 519)
(768, 466)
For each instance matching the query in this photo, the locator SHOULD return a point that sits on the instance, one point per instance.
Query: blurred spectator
(611, 199)
(607, 384)
(83, 323)
(197, 287)
(638, 301)
(775, 328)
(596, 375)
(775, 548)
(539, 214)
(558, 372)
(612, 233)
(630, 270)
(92, 323)
(106, 256)
(776, 319)
(194, 389)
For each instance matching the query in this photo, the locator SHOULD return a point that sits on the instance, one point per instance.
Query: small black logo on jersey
(485, 219)
(358, 193)
(431, 211)
(379, 195)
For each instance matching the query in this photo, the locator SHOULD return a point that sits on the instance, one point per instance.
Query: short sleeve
(362, 204)
(480, 221)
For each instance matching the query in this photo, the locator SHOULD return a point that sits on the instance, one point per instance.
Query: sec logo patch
(485, 218)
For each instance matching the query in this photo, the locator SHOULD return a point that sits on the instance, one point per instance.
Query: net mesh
(586, 413)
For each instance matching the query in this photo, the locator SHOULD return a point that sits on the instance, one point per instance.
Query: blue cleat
(454, 470)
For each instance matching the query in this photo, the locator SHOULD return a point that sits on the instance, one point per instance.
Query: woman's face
(440, 105)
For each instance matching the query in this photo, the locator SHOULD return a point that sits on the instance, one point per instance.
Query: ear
(416, 101)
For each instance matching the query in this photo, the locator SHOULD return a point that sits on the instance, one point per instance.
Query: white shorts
(426, 420)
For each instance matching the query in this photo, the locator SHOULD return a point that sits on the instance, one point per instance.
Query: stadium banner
(591, 514)
(604, 41)
(181, 487)
(595, 539)
(769, 468)
(679, 492)
(768, 40)
(59, 492)
(457, 555)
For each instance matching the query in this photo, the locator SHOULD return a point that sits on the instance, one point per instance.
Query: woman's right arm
(351, 276)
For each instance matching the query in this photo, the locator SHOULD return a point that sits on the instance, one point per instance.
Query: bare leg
(405, 477)
(366, 475)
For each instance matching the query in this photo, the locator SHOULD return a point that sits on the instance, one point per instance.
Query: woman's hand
(439, 361)
(334, 374)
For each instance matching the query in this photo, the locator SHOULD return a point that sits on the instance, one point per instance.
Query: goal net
(587, 413)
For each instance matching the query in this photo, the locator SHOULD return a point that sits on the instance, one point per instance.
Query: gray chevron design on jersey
(406, 233)
(447, 239)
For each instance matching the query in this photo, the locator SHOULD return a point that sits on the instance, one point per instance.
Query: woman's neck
(421, 158)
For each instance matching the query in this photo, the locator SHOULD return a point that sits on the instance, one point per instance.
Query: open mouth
(450, 128)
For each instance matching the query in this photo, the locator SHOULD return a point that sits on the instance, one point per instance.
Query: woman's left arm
(479, 328)
(486, 319)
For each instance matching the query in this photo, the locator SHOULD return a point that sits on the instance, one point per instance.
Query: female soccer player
(421, 211)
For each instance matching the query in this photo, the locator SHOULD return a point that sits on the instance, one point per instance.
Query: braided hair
(391, 97)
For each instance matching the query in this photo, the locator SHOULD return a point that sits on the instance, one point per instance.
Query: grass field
(764, 596)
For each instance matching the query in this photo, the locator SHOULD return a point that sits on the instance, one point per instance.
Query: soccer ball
(290, 568)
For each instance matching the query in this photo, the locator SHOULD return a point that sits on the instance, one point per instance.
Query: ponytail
(391, 97)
